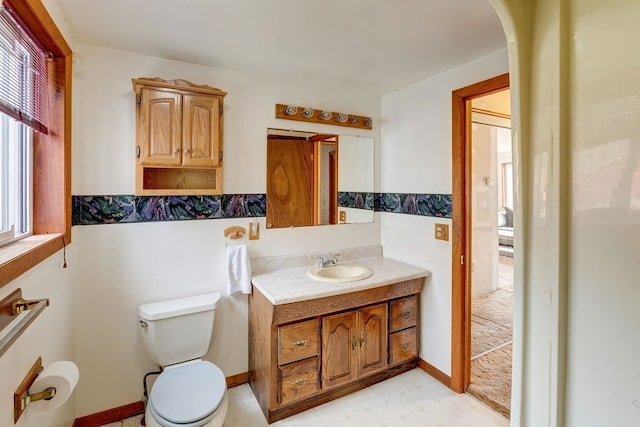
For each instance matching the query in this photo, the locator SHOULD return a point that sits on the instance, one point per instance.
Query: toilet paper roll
(62, 375)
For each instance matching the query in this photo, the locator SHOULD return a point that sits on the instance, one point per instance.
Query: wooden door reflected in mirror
(311, 181)
(301, 179)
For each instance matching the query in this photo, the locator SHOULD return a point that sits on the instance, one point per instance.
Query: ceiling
(369, 46)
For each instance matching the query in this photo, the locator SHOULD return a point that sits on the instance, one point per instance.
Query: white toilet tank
(178, 330)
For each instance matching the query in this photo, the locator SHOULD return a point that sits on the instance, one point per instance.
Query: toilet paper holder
(21, 397)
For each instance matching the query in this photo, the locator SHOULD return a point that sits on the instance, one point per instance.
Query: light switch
(254, 230)
(442, 232)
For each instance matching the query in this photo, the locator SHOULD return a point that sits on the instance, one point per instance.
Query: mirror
(318, 178)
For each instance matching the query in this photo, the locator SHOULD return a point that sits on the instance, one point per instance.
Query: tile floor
(410, 399)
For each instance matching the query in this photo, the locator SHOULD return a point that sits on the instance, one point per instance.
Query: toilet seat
(188, 394)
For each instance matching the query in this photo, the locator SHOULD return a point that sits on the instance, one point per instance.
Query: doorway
(491, 256)
(462, 226)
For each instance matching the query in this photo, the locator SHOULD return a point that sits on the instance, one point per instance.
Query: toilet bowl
(189, 394)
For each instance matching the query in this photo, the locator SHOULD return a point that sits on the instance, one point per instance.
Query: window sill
(19, 256)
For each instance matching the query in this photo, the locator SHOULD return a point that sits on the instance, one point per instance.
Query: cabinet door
(372, 324)
(201, 131)
(160, 127)
(339, 349)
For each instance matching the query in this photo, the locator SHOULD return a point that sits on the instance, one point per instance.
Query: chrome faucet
(330, 262)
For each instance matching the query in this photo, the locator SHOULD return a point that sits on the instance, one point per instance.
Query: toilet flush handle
(143, 324)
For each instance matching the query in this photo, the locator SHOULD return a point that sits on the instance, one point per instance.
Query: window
(49, 159)
(15, 180)
(23, 107)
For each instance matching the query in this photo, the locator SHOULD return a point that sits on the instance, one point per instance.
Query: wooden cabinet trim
(181, 85)
(286, 313)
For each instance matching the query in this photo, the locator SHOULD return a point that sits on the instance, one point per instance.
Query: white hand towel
(238, 267)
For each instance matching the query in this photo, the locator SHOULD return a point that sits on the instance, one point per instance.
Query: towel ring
(234, 232)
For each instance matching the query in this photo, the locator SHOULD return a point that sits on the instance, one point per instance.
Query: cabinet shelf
(180, 181)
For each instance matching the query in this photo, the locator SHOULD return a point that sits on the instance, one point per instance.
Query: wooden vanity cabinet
(306, 353)
(178, 137)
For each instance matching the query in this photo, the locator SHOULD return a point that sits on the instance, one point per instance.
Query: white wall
(121, 266)
(416, 158)
(49, 336)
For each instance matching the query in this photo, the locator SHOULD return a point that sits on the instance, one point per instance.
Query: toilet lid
(187, 393)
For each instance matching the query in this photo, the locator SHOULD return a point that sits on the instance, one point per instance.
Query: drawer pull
(300, 343)
(298, 382)
(405, 347)
(404, 314)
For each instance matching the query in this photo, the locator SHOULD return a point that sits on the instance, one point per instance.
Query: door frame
(461, 226)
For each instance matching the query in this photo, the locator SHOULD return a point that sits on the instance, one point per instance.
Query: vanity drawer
(403, 313)
(298, 341)
(403, 346)
(298, 380)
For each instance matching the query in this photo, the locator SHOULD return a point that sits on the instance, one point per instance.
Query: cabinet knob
(187, 150)
(404, 347)
(301, 343)
(176, 150)
(404, 314)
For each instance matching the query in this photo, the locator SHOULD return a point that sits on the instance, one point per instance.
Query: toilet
(190, 392)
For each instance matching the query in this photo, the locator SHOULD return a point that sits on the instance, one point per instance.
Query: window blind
(23, 75)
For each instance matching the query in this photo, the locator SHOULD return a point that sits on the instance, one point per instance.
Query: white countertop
(289, 285)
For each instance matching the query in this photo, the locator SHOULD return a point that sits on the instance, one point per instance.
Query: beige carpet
(491, 379)
(491, 349)
(491, 320)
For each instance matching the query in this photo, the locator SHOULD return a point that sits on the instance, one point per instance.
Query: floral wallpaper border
(90, 210)
(122, 209)
(356, 199)
(438, 205)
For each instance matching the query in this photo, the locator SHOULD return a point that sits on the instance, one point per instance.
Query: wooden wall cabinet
(178, 137)
(306, 353)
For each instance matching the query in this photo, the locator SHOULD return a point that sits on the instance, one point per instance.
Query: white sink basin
(340, 273)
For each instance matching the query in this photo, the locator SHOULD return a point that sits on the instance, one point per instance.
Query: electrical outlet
(343, 216)
(442, 232)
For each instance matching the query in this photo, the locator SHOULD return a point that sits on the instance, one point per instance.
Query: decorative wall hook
(234, 232)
